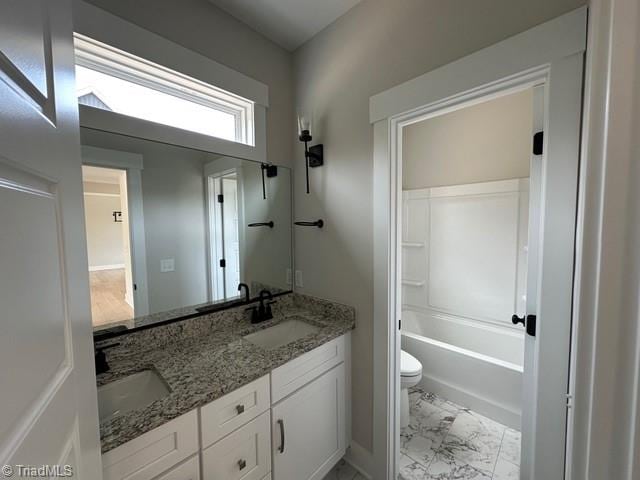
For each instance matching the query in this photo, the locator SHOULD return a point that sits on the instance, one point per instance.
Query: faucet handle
(254, 314)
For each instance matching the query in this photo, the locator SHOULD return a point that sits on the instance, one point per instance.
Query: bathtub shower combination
(464, 255)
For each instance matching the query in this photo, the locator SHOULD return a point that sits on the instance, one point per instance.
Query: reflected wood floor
(107, 297)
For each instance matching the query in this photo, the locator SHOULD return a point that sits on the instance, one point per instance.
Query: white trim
(523, 61)
(604, 427)
(100, 194)
(104, 27)
(100, 25)
(98, 268)
(133, 163)
(360, 458)
(555, 39)
(102, 157)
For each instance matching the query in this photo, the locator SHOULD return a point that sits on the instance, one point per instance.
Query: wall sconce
(314, 156)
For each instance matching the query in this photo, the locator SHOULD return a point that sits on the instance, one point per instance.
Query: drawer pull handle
(242, 464)
(240, 409)
(281, 447)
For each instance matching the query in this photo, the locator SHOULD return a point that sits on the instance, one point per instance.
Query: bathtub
(473, 364)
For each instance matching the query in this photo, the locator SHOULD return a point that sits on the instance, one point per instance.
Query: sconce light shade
(314, 155)
(304, 127)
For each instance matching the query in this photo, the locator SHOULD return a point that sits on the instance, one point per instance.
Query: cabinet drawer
(224, 415)
(189, 470)
(243, 455)
(300, 371)
(154, 452)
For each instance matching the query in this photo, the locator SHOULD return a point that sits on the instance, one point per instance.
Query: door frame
(553, 50)
(212, 170)
(132, 163)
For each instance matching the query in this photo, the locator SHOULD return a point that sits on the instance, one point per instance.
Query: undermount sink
(281, 334)
(129, 393)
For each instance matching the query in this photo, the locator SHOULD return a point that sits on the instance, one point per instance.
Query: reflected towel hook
(269, 224)
(317, 223)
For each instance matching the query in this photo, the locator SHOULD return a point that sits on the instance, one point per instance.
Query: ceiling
(289, 23)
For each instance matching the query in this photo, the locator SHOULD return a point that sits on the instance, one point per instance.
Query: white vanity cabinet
(189, 470)
(289, 425)
(308, 429)
(153, 454)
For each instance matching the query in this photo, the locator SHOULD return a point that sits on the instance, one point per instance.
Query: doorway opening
(547, 59)
(108, 244)
(470, 216)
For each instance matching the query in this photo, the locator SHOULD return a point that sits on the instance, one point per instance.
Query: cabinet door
(308, 429)
(189, 470)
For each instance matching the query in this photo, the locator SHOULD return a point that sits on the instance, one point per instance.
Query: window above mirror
(111, 79)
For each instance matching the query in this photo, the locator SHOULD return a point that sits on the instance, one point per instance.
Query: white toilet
(410, 376)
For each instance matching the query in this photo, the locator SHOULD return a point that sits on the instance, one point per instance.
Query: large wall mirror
(173, 232)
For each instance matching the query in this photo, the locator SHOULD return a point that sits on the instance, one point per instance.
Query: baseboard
(361, 459)
(97, 268)
(483, 406)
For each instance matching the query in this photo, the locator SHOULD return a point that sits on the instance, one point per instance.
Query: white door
(308, 429)
(530, 372)
(48, 413)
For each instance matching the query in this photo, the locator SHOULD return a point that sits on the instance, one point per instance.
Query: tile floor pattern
(343, 471)
(447, 442)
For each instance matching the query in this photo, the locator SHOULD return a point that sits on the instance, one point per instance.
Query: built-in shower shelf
(413, 283)
(413, 244)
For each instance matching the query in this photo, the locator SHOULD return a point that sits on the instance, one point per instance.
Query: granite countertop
(204, 358)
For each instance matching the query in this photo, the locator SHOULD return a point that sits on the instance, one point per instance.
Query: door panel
(49, 412)
(25, 50)
(32, 244)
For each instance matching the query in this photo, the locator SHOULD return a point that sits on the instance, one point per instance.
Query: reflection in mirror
(172, 232)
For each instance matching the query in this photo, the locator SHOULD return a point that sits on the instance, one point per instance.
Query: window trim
(106, 59)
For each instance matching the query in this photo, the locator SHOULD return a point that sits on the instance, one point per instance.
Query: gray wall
(481, 143)
(266, 253)
(104, 236)
(204, 28)
(174, 217)
(376, 45)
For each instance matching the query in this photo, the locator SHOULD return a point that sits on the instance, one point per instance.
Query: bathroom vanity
(226, 399)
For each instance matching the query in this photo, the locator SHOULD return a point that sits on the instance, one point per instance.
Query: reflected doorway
(108, 245)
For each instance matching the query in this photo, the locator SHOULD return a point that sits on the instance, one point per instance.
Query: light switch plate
(299, 282)
(167, 265)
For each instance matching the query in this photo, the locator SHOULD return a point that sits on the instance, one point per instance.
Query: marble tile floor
(447, 442)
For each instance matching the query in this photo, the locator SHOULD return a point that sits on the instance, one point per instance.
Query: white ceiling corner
(289, 23)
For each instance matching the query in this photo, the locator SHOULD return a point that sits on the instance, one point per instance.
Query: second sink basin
(129, 393)
(281, 334)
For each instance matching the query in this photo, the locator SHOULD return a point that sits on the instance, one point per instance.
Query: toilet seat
(410, 366)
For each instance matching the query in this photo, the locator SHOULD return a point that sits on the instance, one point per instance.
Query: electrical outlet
(289, 275)
(167, 265)
(299, 282)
